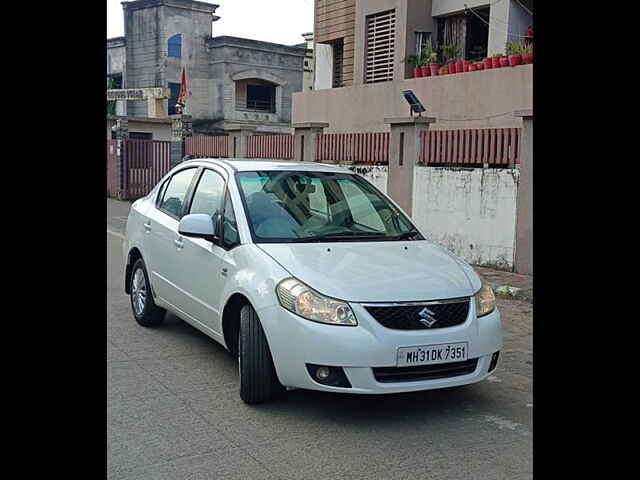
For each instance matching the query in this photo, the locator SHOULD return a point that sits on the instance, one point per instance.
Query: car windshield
(299, 206)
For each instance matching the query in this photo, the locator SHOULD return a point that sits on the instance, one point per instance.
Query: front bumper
(295, 342)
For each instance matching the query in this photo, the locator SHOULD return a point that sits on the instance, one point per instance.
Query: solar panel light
(414, 102)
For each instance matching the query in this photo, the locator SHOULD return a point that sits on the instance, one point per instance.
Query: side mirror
(199, 225)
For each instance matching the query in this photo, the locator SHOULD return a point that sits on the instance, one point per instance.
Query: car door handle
(147, 226)
(178, 243)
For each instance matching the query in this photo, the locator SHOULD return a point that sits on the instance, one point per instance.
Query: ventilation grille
(381, 32)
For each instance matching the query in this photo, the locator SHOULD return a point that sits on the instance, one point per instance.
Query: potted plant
(424, 63)
(487, 63)
(443, 71)
(527, 54)
(514, 52)
(495, 60)
(471, 67)
(452, 55)
(430, 59)
(414, 61)
(479, 65)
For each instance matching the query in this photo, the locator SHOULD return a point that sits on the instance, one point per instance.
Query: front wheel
(258, 380)
(145, 310)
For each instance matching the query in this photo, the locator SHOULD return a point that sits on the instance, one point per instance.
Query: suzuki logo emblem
(427, 317)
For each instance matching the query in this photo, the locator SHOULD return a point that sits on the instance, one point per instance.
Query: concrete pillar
(181, 127)
(239, 140)
(305, 140)
(405, 145)
(523, 262)
(121, 131)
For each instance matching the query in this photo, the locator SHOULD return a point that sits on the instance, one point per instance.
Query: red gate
(147, 161)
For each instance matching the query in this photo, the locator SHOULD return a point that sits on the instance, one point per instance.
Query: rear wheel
(258, 380)
(145, 310)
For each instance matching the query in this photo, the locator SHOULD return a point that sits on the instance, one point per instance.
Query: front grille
(424, 372)
(407, 317)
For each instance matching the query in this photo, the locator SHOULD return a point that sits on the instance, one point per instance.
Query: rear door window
(172, 202)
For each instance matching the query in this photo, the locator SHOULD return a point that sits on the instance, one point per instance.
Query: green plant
(414, 61)
(452, 52)
(527, 49)
(497, 55)
(429, 54)
(514, 48)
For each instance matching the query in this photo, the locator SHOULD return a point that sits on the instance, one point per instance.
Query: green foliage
(429, 54)
(514, 48)
(413, 60)
(452, 52)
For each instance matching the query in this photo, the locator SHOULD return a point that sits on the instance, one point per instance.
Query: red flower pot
(527, 58)
(504, 61)
(443, 71)
(488, 63)
(417, 72)
(434, 67)
(466, 65)
(479, 66)
(426, 72)
(459, 66)
(515, 60)
(495, 62)
(471, 67)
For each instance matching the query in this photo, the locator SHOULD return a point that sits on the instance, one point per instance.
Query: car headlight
(485, 300)
(302, 300)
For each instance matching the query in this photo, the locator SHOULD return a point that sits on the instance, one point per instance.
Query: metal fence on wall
(471, 147)
(276, 147)
(362, 148)
(207, 146)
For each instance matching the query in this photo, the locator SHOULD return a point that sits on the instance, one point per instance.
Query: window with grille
(379, 55)
(338, 58)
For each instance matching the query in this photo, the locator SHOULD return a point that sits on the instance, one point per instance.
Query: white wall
(375, 174)
(471, 212)
(323, 68)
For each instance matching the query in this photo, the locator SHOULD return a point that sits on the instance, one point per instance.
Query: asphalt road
(173, 410)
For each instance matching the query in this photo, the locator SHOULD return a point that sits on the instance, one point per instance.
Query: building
(307, 79)
(232, 82)
(360, 52)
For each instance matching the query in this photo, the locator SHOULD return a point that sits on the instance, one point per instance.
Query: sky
(278, 21)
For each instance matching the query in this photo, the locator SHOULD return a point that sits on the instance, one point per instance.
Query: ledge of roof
(188, 4)
(226, 40)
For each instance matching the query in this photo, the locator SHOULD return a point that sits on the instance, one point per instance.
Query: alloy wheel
(139, 292)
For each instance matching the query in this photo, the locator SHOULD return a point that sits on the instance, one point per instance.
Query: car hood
(376, 271)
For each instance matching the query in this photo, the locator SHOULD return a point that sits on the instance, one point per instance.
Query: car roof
(249, 165)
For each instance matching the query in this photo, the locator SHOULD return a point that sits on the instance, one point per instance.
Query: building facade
(231, 81)
(361, 69)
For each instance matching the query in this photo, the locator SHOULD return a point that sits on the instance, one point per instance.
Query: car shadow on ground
(348, 409)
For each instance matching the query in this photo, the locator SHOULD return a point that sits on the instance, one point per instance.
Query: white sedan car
(311, 276)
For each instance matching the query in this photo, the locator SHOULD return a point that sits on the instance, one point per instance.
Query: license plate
(432, 354)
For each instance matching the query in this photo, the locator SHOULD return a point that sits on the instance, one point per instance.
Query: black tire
(258, 379)
(151, 315)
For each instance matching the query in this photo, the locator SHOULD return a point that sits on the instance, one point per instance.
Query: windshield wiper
(405, 235)
(342, 236)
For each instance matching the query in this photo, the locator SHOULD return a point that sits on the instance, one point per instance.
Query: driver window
(208, 195)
